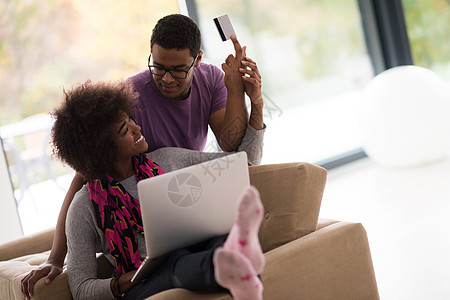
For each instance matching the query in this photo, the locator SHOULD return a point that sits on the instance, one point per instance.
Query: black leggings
(189, 268)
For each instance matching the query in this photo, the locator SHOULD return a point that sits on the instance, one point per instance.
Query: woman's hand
(47, 269)
(122, 284)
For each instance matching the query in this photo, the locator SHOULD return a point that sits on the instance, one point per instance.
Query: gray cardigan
(85, 239)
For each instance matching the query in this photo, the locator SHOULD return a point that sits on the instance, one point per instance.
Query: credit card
(224, 27)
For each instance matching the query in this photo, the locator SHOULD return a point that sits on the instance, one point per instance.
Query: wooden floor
(407, 217)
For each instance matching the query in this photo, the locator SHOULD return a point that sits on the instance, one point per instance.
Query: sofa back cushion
(291, 194)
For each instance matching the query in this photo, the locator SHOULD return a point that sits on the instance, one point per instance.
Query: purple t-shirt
(179, 123)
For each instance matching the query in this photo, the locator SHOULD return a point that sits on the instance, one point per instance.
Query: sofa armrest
(58, 289)
(19, 257)
(35, 243)
(177, 294)
(333, 262)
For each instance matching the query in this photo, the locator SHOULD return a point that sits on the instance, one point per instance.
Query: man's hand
(252, 81)
(47, 269)
(233, 80)
(252, 86)
(229, 125)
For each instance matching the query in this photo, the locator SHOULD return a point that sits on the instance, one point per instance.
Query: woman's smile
(140, 139)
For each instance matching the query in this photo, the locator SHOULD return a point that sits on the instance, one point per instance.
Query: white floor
(407, 217)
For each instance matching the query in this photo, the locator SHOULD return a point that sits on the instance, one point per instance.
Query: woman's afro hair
(82, 135)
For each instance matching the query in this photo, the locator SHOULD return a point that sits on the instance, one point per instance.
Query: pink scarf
(119, 214)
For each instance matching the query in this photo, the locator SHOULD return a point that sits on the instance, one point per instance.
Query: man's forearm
(59, 246)
(256, 115)
(234, 123)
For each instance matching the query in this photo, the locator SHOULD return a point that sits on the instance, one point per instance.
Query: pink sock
(234, 271)
(243, 236)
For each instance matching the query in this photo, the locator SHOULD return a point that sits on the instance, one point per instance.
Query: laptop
(190, 205)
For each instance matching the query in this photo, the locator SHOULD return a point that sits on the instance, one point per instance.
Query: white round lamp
(405, 118)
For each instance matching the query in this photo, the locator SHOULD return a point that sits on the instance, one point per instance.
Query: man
(180, 96)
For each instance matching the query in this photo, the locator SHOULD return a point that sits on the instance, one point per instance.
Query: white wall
(10, 227)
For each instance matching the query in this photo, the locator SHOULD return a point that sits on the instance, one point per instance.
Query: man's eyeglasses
(176, 73)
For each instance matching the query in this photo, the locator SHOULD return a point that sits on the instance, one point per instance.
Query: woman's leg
(243, 235)
(191, 268)
(234, 271)
(195, 271)
(239, 262)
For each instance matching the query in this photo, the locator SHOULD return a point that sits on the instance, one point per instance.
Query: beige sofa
(306, 258)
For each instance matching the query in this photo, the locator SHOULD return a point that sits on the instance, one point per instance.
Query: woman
(252, 87)
(95, 134)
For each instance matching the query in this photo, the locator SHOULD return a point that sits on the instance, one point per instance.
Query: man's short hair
(177, 31)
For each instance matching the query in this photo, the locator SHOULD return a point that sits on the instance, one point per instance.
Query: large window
(314, 64)
(316, 58)
(46, 46)
(429, 32)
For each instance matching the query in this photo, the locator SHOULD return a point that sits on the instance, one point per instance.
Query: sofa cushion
(12, 272)
(291, 194)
